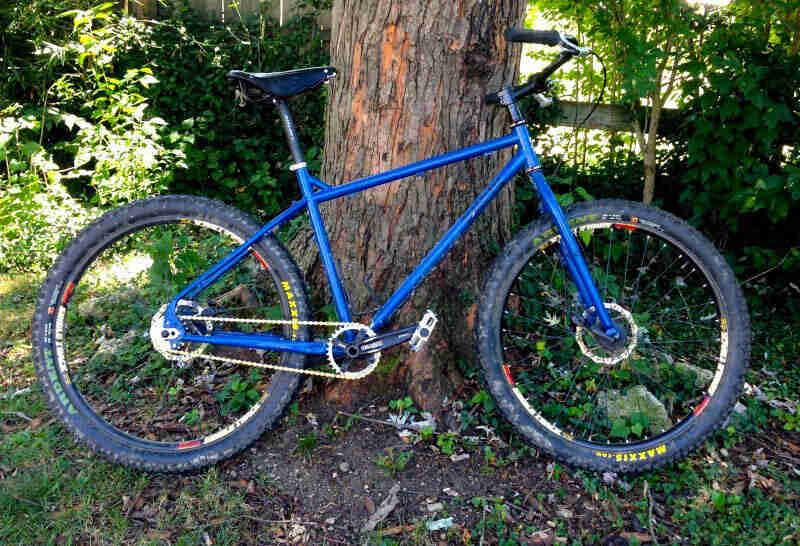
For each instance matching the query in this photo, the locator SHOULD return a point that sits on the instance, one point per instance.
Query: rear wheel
(637, 404)
(109, 377)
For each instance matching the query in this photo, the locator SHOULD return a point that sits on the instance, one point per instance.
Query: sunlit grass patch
(17, 301)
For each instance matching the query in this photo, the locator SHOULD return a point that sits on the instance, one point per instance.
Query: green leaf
(619, 429)
(30, 147)
(147, 80)
(586, 236)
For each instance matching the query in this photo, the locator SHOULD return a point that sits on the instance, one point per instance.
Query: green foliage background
(728, 160)
(99, 109)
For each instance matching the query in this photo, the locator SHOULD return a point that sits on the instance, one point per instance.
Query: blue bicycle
(173, 331)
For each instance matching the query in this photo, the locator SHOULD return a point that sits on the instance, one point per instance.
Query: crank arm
(380, 342)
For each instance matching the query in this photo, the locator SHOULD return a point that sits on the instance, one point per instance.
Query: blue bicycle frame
(315, 191)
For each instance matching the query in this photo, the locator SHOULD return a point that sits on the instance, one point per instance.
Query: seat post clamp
(297, 166)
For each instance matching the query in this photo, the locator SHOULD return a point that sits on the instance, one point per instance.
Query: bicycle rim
(104, 349)
(588, 391)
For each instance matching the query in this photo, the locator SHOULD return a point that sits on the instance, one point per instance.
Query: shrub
(737, 146)
(105, 110)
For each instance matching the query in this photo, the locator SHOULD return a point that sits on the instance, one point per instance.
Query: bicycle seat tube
(306, 186)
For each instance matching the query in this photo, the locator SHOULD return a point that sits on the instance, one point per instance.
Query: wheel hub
(603, 349)
(161, 337)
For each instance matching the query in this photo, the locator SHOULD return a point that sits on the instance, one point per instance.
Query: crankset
(416, 335)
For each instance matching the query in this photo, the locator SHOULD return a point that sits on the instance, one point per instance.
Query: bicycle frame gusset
(571, 254)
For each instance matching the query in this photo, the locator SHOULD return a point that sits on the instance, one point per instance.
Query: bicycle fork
(595, 316)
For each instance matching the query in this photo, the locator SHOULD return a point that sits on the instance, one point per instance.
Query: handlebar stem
(508, 99)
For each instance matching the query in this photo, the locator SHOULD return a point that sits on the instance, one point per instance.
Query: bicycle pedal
(423, 332)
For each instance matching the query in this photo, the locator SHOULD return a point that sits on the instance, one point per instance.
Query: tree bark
(411, 82)
(658, 98)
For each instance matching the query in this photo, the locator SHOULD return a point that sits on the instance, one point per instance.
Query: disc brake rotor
(610, 357)
(162, 344)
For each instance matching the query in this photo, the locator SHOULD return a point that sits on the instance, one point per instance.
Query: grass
(741, 487)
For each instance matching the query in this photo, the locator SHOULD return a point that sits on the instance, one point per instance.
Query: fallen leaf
(641, 537)
(383, 510)
(155, 534)
(564, 513)
(757, 480)
(397, 529)
(369, 504)
(540, 537)
(794, 447)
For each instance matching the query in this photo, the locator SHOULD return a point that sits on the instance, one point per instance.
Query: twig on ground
(18, 414)
(13, 394)
(279, 521)
(775, 451)
(376, 421)
(26, 501)
(649, 497)
(383, 510)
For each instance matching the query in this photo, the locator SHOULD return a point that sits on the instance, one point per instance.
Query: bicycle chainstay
(338, 325)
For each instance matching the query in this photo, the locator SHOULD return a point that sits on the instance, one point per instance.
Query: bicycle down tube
(524, 158)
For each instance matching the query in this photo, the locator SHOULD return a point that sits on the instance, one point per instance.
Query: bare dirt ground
(325, 490)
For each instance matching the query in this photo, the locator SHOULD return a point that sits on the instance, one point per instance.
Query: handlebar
(538, 82)
(544, 37)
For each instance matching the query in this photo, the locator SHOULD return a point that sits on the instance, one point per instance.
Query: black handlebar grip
(544, 37)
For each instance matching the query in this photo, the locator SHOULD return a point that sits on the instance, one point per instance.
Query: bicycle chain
(341, 326)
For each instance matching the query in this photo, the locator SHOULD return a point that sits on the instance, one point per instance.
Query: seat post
(289, 129)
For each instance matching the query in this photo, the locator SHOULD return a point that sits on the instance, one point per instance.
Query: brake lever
(570, 43)
(543, 100)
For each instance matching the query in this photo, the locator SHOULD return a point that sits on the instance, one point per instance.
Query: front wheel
(96, 344)
(622, 407)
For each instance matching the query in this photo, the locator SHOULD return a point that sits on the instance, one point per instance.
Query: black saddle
(285, 84)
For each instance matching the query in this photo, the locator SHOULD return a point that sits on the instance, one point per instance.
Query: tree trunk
(411, 82)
